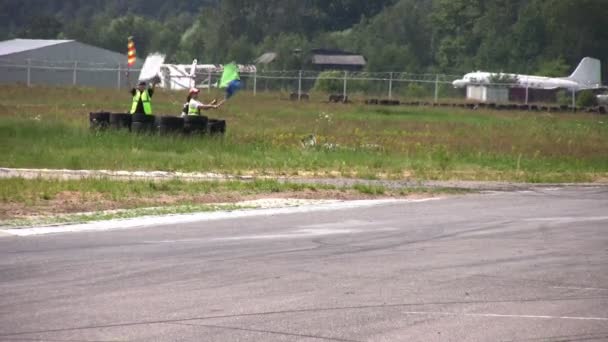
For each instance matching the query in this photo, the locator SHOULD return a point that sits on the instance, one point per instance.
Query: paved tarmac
(498, 266)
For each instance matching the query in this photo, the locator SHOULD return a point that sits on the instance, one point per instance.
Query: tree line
(548, 37)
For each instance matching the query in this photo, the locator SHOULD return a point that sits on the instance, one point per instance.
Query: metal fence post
(344, 90)
(118, 78)
(299, 85)
(208, 81)
(390, 86)
(436, 99)
(255, 82)
(29, 72)
(573, 100)
(527, 94)
(74, 74)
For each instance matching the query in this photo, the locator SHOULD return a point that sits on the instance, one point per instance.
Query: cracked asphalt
(526, 265)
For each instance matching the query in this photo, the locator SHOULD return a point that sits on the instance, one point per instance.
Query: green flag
(231, 73)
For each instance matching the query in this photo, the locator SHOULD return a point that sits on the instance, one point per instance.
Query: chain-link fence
(66, 73)
(347, 85)
(338, 86)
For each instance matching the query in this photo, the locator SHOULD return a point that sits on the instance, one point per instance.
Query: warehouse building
(328, 59)
(62, 62)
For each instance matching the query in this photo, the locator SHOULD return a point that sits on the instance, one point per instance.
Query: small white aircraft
(588, 75)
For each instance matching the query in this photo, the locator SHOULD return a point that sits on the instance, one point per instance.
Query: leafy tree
(529, 37)
(576, 28)
(454, 24)
(392, 57)
(143, 30)
(447, 36)
(554, 68)
(42, 27)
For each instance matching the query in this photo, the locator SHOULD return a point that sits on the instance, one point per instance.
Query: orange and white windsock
(131, 52)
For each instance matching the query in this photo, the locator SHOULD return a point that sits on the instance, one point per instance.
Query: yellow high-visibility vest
(145, 99)
(193, 111)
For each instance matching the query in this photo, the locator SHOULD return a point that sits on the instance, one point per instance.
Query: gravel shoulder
(338, 181)
(72, 207)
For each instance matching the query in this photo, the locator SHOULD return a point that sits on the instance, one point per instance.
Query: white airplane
(588, 75)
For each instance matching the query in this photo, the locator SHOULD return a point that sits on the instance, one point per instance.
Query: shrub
(330, 82)
(586, 98)
(564, 98)
(500, 79)
(417, 91)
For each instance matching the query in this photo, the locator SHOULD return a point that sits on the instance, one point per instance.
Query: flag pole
(131, 58)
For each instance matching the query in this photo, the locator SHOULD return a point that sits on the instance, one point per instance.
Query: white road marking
(568, 219)
(151, 221)
(295, 234)
(337, 228)
(342, 224)
(579, 288)
(492, 315)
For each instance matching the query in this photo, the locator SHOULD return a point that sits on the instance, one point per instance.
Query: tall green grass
(265, 132)
(32, 191)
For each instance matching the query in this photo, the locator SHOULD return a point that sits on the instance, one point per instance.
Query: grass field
(48, 128)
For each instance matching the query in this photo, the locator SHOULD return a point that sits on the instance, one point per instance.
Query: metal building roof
(9, 47)
(338, 59)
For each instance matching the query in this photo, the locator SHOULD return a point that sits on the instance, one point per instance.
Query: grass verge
(47, 201)
(265, 137)
(114, 214)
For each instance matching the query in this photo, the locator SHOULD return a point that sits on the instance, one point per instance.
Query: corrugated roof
(338, 59)
(9, 47)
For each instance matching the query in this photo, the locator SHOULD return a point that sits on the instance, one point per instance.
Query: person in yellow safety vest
(195, 106)
(142, 97)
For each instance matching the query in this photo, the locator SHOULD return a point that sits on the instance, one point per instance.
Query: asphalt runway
(496, 266)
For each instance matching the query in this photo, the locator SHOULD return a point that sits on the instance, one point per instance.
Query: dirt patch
(68, 202)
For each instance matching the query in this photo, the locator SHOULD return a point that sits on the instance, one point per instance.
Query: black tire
(143, 118)
(169, 124)
(142, 123)
(99, 120)
(195, 124)
(139, 127)
(120, 121)
(217, 126)
(338, 98)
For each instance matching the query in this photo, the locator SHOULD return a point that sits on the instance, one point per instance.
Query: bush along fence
(191, 125)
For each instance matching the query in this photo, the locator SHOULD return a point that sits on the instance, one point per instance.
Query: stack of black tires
(157, 124)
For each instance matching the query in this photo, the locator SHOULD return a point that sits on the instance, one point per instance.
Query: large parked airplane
(586, 76)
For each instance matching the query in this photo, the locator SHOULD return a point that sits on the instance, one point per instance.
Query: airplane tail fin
(588, 72)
